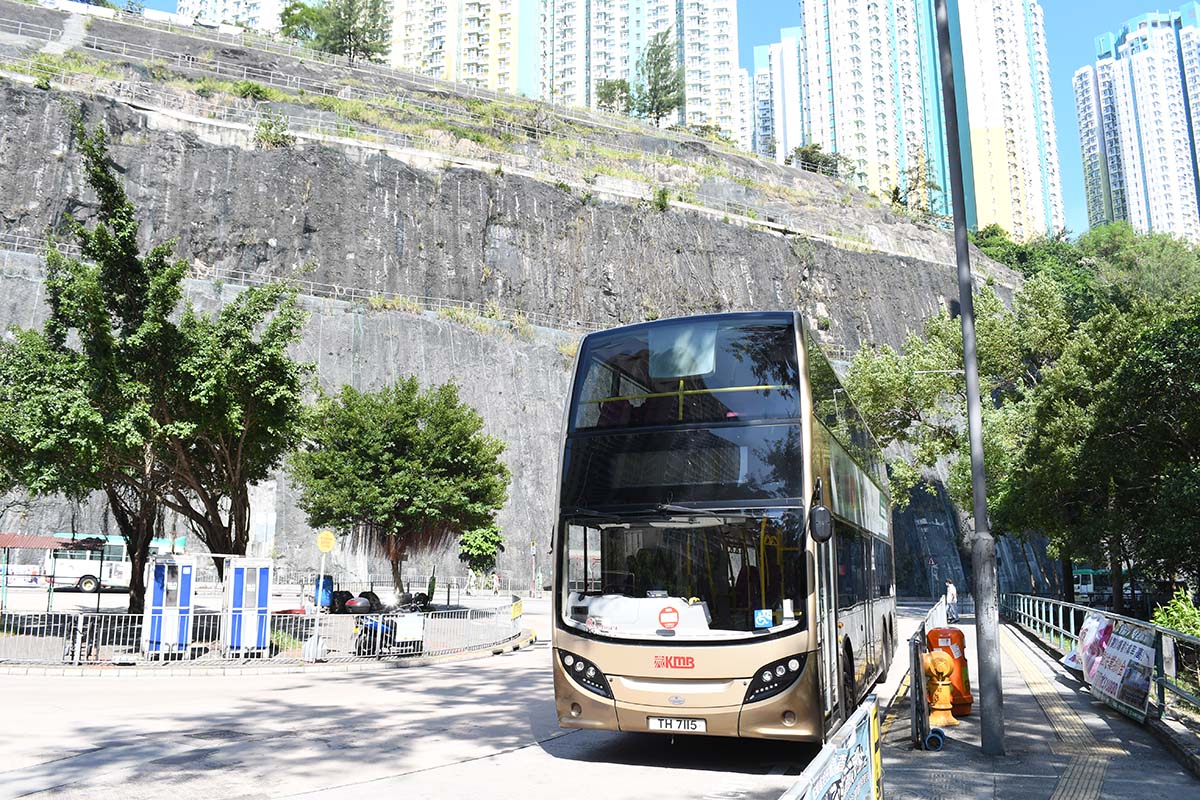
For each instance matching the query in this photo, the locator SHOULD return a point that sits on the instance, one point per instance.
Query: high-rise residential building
(259, 15)
(862, 79)
(1139, 126)
(1014, 169)
(488, 43)
(585, 42)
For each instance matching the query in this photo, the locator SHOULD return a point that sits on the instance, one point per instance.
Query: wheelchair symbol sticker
(763, 618)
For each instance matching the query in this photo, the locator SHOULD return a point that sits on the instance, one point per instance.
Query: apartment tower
(1139, 125)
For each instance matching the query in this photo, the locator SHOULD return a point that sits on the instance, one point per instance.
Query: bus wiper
(587, 512)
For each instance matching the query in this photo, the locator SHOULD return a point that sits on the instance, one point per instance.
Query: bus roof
(723, 316)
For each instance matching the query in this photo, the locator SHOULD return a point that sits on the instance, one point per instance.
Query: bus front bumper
(578, 707)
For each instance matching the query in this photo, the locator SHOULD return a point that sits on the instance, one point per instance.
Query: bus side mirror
(820, 524)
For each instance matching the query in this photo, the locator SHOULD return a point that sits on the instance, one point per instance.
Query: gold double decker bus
(723, 554)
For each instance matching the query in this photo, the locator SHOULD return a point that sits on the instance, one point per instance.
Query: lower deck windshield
(684, 577)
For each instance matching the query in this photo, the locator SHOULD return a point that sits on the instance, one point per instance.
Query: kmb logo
(674, 662)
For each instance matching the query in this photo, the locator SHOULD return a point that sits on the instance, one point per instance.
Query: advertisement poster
(847, 768)
(1126, 672)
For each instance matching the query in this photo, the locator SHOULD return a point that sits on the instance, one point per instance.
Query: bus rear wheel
(89, 583)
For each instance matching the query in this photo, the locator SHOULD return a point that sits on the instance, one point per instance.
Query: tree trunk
(135, 516)
(1116, 575)
(1068, 579)
(396, 576)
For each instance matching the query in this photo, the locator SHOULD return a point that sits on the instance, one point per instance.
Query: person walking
(470, 580)
(951, 601)
(495, 583)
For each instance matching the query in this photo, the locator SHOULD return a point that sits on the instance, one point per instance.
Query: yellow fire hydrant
(939, 667)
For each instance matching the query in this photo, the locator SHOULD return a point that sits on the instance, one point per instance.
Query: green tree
(301, 22)
(231, 412)
(411, 468)
(357, 29)
(480, 546)
(613, 95)
(660, 87)
(115, 395)
(814, 159)
(78, 397)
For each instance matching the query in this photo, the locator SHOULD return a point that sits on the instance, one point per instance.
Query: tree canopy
(410, 467)
(660, 88)
(357, 29)
(1091, 433)
(613, 95)
(115, 395)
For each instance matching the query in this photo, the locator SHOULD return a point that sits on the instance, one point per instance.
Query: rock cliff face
(360, 217)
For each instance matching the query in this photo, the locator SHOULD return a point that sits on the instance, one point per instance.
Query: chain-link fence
(119, 639)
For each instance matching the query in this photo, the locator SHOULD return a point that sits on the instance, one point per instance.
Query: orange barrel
(951, 641)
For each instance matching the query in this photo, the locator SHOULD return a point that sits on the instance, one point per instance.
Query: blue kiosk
(169, 613)
(246, 616)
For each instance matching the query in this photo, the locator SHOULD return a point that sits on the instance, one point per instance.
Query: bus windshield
(704, 370)
(696, 577)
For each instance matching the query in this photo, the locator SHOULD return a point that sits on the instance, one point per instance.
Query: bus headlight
(775, 677)
(585, 673)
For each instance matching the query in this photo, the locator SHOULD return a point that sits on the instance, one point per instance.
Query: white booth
(170, 611)
(245, 614)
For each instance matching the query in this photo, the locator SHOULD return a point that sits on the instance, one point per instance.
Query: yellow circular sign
(325, 540)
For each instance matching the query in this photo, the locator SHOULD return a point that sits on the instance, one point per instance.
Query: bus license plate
(677, 724)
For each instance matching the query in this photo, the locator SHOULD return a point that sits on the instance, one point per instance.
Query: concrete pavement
(1060, 743)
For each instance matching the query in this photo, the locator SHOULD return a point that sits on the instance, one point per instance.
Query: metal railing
(1057, 624)
(84, 639)
(919, 702)
(400, 101)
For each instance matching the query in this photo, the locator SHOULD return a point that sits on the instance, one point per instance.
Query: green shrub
(522, 326)
(1180, 614)
(824, 323)
(272, 132)
(250, 90)
(42, 82)
(662, 198)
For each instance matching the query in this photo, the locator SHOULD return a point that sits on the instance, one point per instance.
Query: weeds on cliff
(662, 198)
(568, 350)
(42, 82)
(466, 317)
(70, 63)
(562, 186)
(378, 302)
(492, 310)
(824, 323)
(650, 311)
(271, 133)
(249, 90)
(522, 326)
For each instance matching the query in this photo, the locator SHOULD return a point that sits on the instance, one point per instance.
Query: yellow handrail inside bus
(762, 564)
(685, 392)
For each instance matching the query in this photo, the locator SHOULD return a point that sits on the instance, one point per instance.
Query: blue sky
(1071, 26)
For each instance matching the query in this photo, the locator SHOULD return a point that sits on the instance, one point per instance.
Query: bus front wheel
(89, 583)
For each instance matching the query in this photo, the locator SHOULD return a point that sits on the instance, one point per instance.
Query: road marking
(1083, 778)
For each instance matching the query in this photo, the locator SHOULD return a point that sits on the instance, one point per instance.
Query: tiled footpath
(1060, 744)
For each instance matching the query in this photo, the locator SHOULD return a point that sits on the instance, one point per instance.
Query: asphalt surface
(483, 728)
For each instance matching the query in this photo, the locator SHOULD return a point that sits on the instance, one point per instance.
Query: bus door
(874, 657)
(827, 651)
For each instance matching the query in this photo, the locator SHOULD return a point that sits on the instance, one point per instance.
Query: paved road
(473, 729)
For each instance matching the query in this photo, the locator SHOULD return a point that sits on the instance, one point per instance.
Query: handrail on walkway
(1057, 624)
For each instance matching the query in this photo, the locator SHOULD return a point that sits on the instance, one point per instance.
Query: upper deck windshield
(705, 370)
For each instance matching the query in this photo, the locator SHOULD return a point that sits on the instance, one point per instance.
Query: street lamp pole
(983, 546)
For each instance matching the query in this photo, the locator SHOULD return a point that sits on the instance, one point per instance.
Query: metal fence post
(78, 636)
(1160, 675)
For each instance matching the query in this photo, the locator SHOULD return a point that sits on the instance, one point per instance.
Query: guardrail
(86, 639)
(1057, 624)
(921, 733)
(398, 101)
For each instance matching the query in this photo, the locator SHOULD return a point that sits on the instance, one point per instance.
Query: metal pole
(983, 548)
(320, 584)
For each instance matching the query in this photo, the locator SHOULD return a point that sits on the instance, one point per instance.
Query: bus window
(717, 577)
(852, 573)
(688, 372)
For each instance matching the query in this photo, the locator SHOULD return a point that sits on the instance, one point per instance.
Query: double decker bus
(723, 554)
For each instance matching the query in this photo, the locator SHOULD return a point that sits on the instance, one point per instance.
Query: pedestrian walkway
(1059, 743)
